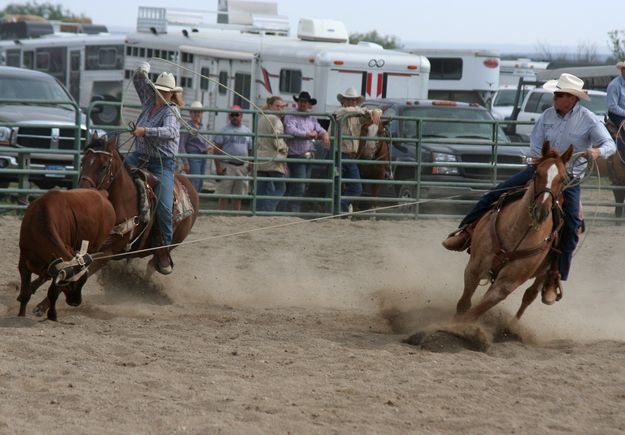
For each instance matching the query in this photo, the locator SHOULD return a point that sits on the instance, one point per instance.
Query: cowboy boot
(163, 262)
(458, 240)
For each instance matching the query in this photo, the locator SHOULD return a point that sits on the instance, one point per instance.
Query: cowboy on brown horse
(565, 123)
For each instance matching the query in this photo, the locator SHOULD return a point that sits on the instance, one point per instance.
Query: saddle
(503, 256)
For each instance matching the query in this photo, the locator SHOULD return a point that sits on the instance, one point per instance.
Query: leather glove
(144, 68)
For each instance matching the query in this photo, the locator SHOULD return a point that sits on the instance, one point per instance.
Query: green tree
(373, 36)
(45, 10)
(617, 44)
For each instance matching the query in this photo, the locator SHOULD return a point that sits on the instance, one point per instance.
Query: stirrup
(458, 240)
(552, 284)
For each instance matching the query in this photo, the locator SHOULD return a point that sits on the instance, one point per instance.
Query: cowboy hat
(351, 94)
(620, 65)
(166, 82)
(305, 96)
(568, 84)
(195, 105)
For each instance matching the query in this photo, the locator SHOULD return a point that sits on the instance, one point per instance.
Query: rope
(270, 227)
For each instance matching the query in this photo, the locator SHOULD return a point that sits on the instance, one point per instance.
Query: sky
(561, 26)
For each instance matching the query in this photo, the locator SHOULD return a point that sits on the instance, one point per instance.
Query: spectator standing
(306, 129)
(271, 147)
(191, 142)
(235, 147)
(616, 103)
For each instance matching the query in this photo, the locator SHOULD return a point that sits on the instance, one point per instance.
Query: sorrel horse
(614, 167)
(373, 149)
(103, 169)
(59, 232)
(511, 243)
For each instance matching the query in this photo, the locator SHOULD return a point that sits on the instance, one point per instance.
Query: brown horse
(511, 243)
(378, 150)
(614, 167)
(103, 169)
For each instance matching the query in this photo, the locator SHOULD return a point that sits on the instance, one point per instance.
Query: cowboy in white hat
(565, 123)
(157, 134)
(351, 125)
(616, 104)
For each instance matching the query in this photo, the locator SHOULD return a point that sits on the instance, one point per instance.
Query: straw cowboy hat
(305, 96)
(166, 82)
(568, 84)
(620, 65)
(195, 105)
(350, 93)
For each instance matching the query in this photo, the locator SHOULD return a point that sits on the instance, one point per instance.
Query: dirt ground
(299, 329)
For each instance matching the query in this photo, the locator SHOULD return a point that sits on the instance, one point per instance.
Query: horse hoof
(38, 311)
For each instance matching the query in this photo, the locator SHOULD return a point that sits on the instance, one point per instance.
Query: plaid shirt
(162, 129)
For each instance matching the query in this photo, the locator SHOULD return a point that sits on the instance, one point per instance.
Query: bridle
(107, 173)
(554, 197)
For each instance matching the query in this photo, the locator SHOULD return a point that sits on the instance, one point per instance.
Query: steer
(59, 232)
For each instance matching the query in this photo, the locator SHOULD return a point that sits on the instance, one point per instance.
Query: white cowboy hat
(620, 65)
(166, 82)
(350, 93)
(568, 84)
(196, 105)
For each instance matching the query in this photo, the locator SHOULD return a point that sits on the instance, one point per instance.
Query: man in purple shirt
(305, 129)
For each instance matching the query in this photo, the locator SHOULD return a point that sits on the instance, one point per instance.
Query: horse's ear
(567, 154)
(545, 149)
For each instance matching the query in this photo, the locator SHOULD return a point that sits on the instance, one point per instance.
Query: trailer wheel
(108, 115)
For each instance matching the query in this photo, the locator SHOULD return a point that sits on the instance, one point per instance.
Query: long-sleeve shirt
(351, 125)
(298, 126)
(274, 147)
(162, 129)
(616, 96)
(579, 127)
(193, 144)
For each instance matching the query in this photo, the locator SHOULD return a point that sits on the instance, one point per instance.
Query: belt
(306, 155)
(230, 162)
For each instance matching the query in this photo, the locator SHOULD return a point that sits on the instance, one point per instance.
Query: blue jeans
(570, 206)
(350, 171)
(296, 170)
(269, 188)
(197, 167)
(163, 169)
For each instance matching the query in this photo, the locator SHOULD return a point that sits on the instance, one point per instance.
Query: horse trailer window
(223, 82)
(445, 68)
(149, 52)
(290, 81)
(242, 86)
(13, 58)
(204, 72)
(43, 61)
(28, 60)
(98, 57)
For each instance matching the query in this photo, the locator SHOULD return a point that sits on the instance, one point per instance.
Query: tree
(373, 36)
(586, 54)
(45, 10)
(617, 44)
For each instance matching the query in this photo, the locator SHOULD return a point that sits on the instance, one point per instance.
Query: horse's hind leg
(529, 295)
(41, 307)
(53, 294)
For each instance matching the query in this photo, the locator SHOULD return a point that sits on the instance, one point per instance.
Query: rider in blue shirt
(616, 103)
(565, 123)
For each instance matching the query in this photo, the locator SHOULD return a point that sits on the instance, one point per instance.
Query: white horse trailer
(89, 65)
(466, 75)
(260, 60)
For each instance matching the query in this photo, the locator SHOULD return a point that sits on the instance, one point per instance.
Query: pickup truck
(44, 127)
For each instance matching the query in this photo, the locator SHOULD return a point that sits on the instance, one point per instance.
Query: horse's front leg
(41, 308)
(529, 295)
(497, 292)
(471, 281)
(53, 294)
(25, 287)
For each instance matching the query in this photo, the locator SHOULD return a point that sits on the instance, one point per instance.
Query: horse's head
(100, 163)
(367, 149)
(548, 182)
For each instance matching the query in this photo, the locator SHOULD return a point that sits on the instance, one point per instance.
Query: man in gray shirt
(235, 147)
